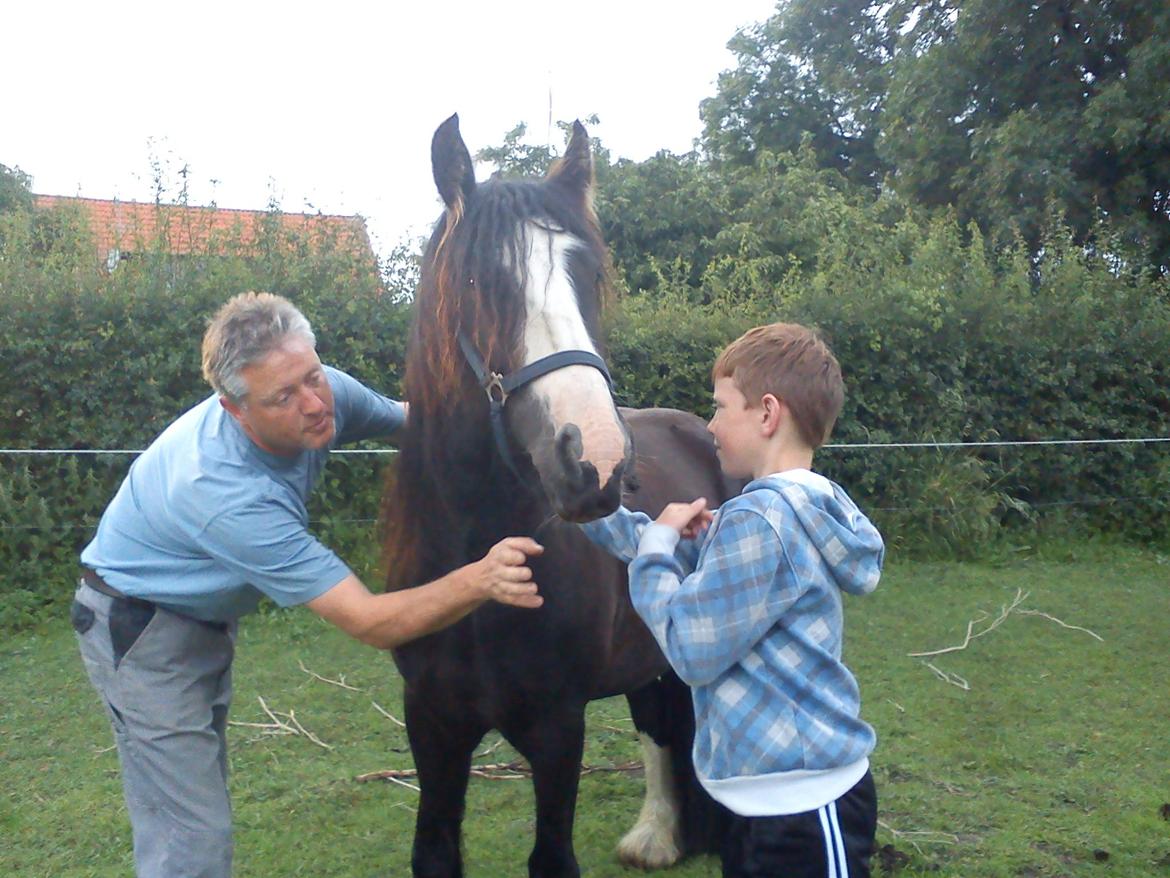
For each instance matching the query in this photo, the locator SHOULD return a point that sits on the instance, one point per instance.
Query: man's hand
(503, 574)
(689, 519)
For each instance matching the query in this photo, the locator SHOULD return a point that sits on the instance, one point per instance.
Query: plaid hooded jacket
(749, 615)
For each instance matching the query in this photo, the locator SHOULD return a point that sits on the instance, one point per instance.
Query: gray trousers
(166, 683)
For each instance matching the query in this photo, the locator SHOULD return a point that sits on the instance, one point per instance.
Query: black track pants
(835, 841)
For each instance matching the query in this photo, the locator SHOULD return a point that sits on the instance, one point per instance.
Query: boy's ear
(773, 412)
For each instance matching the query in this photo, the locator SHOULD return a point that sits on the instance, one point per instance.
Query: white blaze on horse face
(574, 394)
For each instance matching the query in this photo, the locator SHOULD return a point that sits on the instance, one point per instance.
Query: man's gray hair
(244, 331)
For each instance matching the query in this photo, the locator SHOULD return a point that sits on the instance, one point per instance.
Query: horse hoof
(649, 846)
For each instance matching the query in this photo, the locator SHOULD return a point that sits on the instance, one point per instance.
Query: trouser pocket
(81, 617)
(128, 619)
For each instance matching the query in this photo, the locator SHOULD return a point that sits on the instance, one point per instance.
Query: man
(211, 518)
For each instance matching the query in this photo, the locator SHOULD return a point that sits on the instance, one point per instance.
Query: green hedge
(105, 361)
(938, 338)
(941, 340)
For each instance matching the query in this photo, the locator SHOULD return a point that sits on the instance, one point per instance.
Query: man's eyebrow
(280, 391)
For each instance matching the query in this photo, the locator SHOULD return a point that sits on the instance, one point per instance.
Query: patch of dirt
(891, 859)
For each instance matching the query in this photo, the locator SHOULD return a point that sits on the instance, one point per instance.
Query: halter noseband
(498, 387)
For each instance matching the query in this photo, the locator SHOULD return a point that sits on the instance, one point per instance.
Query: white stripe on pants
(838, 864)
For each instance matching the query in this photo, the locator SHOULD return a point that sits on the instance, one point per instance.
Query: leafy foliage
(14, 189)
(968, 200)
(97, 360)
(998, 109)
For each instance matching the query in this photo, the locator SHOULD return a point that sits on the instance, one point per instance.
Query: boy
(747, 607)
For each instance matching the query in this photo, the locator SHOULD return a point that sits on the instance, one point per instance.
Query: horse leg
(442, 755)
(655, 841)
(553, 744)
(664, 712)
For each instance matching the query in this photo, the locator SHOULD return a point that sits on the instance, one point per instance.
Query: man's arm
(389, 620)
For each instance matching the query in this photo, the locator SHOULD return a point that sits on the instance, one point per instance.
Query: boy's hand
(689, 519)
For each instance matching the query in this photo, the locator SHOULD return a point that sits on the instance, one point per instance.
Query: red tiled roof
(131, 226)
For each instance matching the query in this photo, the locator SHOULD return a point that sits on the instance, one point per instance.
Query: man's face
(289, 405)
(736, 428)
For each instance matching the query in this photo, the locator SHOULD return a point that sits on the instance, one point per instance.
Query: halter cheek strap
(498, 387)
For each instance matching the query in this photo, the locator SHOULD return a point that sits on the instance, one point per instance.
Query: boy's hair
(244, 331)
(792, 363)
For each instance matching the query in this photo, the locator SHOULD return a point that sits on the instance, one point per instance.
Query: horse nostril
(569, 447)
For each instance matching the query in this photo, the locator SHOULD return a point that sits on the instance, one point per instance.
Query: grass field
(1054, 762)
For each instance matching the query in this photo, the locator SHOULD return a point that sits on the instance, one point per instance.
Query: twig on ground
(388, 715)
(926, 835)
(340, 681)
(396, 780)
(948, 677)
(289, 725)
(1060, 623)
(492, 771)
(619, 730)
(292, 719)
(492, 749)
(1004, 612)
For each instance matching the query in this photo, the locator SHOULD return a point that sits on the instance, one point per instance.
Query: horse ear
(452, 167)
(575, 169)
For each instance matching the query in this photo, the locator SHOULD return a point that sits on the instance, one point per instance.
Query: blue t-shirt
(206, 522)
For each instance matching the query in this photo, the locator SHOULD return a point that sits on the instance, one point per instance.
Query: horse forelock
(472, 282)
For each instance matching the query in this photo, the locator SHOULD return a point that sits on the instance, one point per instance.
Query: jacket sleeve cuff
(658, 539)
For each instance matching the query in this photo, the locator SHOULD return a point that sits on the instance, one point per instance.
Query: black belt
(90, 578)
(94, 581)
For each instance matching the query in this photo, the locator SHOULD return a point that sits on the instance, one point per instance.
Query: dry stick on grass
(1060, 623)
(1004, 612)
(492, 771)
(490, 750)
(388, 716)
(289, 725)
(926, 835)
(340, 681)
(947, 677)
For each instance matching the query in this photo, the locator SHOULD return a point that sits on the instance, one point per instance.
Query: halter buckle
(495, 389)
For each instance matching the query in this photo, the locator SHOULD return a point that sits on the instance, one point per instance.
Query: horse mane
(468, 284)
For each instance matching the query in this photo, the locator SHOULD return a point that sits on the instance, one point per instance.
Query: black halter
(498, 387)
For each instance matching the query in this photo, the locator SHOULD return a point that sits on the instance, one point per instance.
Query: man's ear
(232, 408)
(774, 412)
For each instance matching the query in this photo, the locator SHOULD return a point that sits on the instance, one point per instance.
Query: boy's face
(736, 427)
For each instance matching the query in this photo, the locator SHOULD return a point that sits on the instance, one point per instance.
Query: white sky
(331, 106)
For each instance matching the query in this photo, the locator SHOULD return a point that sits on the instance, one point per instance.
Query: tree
(1016, 108)
(661, 213)
(812, 74)
(1005, 111)
(15, 186)
(513, 158)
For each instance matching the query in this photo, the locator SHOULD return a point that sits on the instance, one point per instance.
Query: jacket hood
(849, 543)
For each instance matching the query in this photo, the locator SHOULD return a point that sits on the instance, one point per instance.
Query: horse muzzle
(584, 483)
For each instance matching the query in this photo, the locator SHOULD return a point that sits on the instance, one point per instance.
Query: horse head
(507, 323)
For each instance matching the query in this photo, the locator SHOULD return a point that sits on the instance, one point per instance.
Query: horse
(513, 430)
